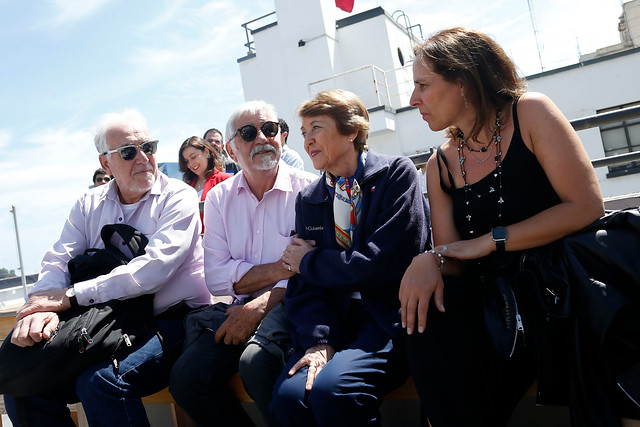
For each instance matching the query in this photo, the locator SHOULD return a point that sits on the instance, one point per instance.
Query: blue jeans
(109, 396)
(350, 388)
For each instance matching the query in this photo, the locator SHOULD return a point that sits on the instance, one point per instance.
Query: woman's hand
(468, 249)
(315, 358)
(421, 280)
(293, 253)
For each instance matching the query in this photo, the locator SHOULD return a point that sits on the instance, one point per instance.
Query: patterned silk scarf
(347, 203)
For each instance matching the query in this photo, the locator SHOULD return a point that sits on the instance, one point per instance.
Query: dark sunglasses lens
(248, 132)
(128, 153)
(269, 129)
(106, 179)
(149, 148)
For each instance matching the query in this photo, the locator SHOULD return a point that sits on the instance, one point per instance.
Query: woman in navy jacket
(358, 226)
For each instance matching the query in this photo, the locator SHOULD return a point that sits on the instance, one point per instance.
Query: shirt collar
(282, 183)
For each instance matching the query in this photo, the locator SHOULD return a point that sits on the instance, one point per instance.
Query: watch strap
(499, 236)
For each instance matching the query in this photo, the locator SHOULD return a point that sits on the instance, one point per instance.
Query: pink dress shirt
(241, 232)
(171, 268)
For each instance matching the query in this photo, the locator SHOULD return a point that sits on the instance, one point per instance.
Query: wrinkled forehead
(213, 134)
(124, 134)
(256, 119)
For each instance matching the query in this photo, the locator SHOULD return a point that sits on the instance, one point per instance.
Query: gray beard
(265, 162)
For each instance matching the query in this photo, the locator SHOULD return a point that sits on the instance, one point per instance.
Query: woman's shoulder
(532, 105)
(539, 116)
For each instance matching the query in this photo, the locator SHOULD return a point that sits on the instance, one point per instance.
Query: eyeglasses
(129, 152)
(250, 132)
(216, 140)
(105, 179)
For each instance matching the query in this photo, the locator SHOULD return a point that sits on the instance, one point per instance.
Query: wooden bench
(180, 419)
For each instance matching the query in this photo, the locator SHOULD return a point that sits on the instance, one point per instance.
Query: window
(619, 138)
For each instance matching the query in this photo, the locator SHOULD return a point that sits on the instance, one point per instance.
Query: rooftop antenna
(535, 32)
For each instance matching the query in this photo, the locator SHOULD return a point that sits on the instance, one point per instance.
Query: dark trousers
(199, 377)
(460, 379)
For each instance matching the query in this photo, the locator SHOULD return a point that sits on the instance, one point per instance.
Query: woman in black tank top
(512, 175)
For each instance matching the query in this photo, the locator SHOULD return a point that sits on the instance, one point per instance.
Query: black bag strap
(135, 240)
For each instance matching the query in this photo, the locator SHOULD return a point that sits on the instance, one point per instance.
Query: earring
(466, 103)
(208, 155)
(350, 139)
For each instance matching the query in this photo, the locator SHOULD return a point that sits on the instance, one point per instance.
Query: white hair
(128, 118)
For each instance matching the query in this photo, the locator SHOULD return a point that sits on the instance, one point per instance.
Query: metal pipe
(602, 119)
(24, 279)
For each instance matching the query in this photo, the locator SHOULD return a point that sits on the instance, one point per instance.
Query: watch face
(499, 233)
(70, 292)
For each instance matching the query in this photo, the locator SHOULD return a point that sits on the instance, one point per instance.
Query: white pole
(24, 279)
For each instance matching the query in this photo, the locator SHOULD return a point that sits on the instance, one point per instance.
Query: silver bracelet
(440, 257)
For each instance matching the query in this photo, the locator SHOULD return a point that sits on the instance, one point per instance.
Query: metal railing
(248, 31)
(390, 88)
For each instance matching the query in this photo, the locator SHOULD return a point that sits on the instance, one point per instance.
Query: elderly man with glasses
(165, 210)
(249, 220)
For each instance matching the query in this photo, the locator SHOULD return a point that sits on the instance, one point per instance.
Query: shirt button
(120, 219)
(258, 231)
(92, 301)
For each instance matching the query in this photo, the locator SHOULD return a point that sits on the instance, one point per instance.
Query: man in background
(100, 177)
(289, 155)
(214, 136)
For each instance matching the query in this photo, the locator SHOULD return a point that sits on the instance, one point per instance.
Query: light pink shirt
(171, 268)
(241, 232)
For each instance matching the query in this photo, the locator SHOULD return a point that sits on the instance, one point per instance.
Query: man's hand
(44, 301)
(315, 358)
(34, 328)
(242, 321)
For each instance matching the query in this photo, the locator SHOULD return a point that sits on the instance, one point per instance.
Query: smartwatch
(499, 235)
(71, 294)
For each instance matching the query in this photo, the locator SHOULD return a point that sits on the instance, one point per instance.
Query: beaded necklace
(497, 173)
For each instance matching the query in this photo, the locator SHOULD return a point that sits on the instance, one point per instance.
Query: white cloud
(43, 177)
(173, 8)
(5, 138)
(74, 10)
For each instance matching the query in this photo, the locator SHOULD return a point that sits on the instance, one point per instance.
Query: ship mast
(535, 32)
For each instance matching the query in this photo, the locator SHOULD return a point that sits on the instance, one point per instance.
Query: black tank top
(526, 190)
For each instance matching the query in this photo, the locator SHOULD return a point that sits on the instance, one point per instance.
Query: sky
(64, 63)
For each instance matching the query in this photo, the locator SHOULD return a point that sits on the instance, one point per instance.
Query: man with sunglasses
(249, 219)
(100, 177)
(214, 136)
(166, 211)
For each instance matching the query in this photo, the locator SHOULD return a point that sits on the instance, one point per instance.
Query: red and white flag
(346, 5)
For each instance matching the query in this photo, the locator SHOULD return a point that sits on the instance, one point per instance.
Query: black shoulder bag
(86, 335)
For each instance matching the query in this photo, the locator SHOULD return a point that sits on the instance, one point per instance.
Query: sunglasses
(129, 152)
(250, 132)
(105, 179)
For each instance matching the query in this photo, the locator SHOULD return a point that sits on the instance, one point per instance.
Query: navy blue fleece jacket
(393, 228)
